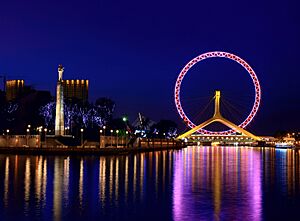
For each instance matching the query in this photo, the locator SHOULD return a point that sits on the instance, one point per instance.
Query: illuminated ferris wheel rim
(216, 54)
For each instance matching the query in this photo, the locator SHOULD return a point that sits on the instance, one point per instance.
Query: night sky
(133, 51)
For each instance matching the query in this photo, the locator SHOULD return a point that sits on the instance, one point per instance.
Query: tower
(59, 116)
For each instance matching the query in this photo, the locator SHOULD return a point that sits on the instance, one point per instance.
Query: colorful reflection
(217, 183)
(196, 183)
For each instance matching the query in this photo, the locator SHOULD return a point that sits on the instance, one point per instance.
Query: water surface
(196, 183)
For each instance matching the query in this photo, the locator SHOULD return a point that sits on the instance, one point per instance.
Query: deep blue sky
(132, 51)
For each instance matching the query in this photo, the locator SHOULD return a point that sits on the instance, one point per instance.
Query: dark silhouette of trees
(105, 108)
(164, 128)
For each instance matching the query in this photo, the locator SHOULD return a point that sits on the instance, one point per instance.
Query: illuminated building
(14, 89)
(76, 90)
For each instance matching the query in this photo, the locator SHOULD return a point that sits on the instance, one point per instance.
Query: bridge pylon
(217, 117)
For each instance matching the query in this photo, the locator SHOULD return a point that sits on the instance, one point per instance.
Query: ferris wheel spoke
(234, 114)
(237, 108)
(220, 54)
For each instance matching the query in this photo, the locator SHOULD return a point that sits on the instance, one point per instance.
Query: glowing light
(214, 55)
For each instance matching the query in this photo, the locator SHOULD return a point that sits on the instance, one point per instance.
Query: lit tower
(59, 117)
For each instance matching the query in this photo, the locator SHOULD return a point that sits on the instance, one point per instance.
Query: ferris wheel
(217, 54)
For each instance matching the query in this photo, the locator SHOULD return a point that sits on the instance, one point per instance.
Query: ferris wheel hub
(215, 54)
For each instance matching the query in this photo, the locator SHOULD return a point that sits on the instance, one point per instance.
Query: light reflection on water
(225, 181)
(196, 183)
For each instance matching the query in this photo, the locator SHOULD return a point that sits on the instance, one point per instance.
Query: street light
(28, 133)
(101, 138)
(45, 136)
(104, 127)
(28, 129)
(117, 131)
(81, 130)
(126, 138)
(124, 119)
(7, 131)
(67, 130)
(111, 132)
(40, 133)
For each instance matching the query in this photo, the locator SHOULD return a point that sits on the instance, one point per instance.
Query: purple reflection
(255, 186)
(178, 206)
(216, 183)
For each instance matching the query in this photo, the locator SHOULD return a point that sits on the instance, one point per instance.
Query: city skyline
(134, 54)
(149, 110)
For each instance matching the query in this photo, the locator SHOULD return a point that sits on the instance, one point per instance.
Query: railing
(20, 141)
(34, 141)
(113, 141)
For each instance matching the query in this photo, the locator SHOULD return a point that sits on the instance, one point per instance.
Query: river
(195, 183)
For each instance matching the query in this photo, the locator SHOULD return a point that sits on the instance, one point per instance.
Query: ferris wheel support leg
(193, 130)
(223, 121)
(237, 128)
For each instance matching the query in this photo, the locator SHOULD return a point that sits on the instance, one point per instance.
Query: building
(76, 90)
(14, 89)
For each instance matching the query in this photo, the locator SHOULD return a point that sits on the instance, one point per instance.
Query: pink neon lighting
(215, 54)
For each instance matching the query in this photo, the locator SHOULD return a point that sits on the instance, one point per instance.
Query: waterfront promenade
(108, 145)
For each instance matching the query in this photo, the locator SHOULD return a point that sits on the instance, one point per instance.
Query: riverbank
(82, 151)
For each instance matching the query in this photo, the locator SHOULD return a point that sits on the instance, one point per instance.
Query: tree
(80, 116)
(165, 128)
(48, 113)
(105, 108)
